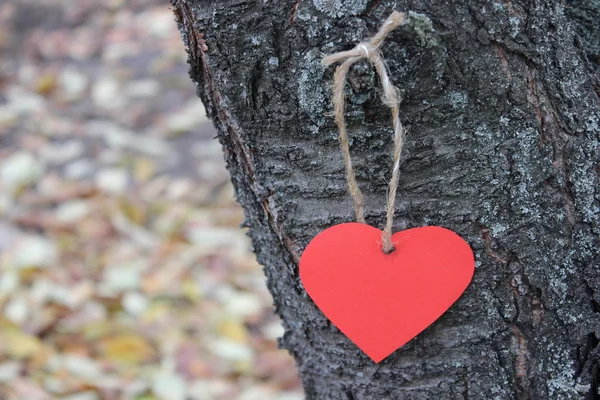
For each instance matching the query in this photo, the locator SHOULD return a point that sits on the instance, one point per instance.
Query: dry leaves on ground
(123, 271)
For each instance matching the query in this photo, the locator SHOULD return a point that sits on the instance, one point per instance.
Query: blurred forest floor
(123, 271)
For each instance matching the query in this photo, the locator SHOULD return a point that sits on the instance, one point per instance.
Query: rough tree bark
(501, 102)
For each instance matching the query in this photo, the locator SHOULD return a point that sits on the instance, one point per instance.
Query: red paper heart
(381, 301)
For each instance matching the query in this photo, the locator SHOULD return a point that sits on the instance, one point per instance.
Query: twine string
(369, 50)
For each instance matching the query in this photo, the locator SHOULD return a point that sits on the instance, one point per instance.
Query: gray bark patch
(340, 8)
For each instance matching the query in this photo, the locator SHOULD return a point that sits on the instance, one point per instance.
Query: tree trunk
(501, 103)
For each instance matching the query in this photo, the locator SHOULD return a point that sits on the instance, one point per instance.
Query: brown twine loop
(369, 50)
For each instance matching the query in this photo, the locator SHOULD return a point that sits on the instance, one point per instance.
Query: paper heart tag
(381, 301)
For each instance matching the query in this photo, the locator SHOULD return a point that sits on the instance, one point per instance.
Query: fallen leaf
(143, 169)
(127, 348)
(45, 84)
(18, 345)
(233, 330)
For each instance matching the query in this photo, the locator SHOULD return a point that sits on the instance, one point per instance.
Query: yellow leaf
(233, 330)
(45, 84)
(127, 348)
(18, 345)
(191, 291)
(143, 169)
(134, 212)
